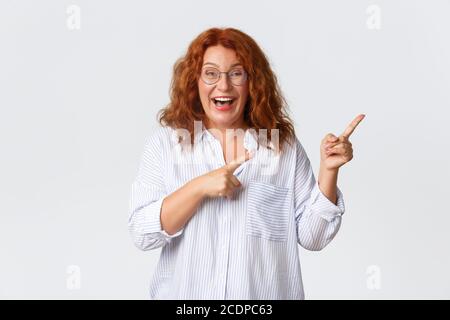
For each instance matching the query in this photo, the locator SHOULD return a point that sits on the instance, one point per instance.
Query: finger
(329, 138)
(230, 186)
(340, 141)
(233, 165)
(342, 148)
(230, 196)
(336, 148)
(227, 190)
(230, 190)
(333, 152)
(329, 145)
(352, 126)
(332, 138)
(235, 181)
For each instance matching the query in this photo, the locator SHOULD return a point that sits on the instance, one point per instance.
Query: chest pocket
(268, 211)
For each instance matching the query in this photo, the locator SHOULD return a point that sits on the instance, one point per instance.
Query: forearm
(178, 207)
(328, 183)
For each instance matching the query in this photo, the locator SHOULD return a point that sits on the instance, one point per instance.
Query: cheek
(243, 93)
(203, 93)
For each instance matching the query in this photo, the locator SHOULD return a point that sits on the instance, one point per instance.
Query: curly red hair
(265, 108)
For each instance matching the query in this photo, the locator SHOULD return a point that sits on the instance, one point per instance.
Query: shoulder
(300, 152)
(293, 146)
(294, 149)
(298, 145)
(160, 137)
(157, 142)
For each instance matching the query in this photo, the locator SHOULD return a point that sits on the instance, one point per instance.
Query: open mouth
(223, 102)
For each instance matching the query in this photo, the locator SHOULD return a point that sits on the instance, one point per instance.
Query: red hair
(265, 107)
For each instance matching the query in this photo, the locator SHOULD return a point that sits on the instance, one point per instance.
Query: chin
(224, 119)
(220, 122)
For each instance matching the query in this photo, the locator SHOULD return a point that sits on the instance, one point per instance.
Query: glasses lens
(237, 76)
(210, 75)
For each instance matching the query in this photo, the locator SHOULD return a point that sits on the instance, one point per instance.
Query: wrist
(324, 169)
(328, 176)
(197, 187)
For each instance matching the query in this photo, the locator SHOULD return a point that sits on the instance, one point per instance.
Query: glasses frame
(228, 75)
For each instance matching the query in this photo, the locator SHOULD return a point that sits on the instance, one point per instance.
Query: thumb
(332, 138)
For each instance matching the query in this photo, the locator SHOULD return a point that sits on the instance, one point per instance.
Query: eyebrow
(233, 65)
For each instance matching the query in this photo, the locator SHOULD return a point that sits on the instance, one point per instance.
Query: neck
(220, 132)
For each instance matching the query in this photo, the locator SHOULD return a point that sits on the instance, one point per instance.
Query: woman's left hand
(336, 151)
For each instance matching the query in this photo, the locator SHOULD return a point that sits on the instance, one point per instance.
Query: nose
(224, 83)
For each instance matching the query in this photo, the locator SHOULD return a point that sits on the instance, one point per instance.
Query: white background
(78, 104)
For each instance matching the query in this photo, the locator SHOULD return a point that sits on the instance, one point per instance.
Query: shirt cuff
(151, 223)
(323, 207)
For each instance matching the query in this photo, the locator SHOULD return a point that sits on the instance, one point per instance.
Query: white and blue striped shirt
(243, 248)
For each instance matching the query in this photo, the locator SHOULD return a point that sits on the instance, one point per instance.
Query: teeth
(223, 99)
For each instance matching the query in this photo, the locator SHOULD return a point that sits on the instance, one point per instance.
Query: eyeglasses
(237, 76)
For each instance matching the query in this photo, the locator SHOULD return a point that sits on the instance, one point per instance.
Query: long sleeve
(147, 195)
(317, 218)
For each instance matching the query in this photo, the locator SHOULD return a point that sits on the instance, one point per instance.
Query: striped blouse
(240, 248)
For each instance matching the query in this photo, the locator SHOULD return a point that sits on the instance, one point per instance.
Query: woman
(225, 187)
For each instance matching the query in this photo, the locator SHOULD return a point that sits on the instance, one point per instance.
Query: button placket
(223, 253)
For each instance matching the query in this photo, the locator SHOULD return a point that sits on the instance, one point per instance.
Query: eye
(236, 73)
(210, 73)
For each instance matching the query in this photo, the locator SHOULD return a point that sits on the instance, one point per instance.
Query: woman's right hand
(221, 182)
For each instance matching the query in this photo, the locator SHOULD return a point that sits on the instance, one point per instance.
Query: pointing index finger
(352, 126)
(233, 165)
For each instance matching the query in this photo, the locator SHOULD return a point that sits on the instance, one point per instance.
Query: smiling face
(223, 101)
